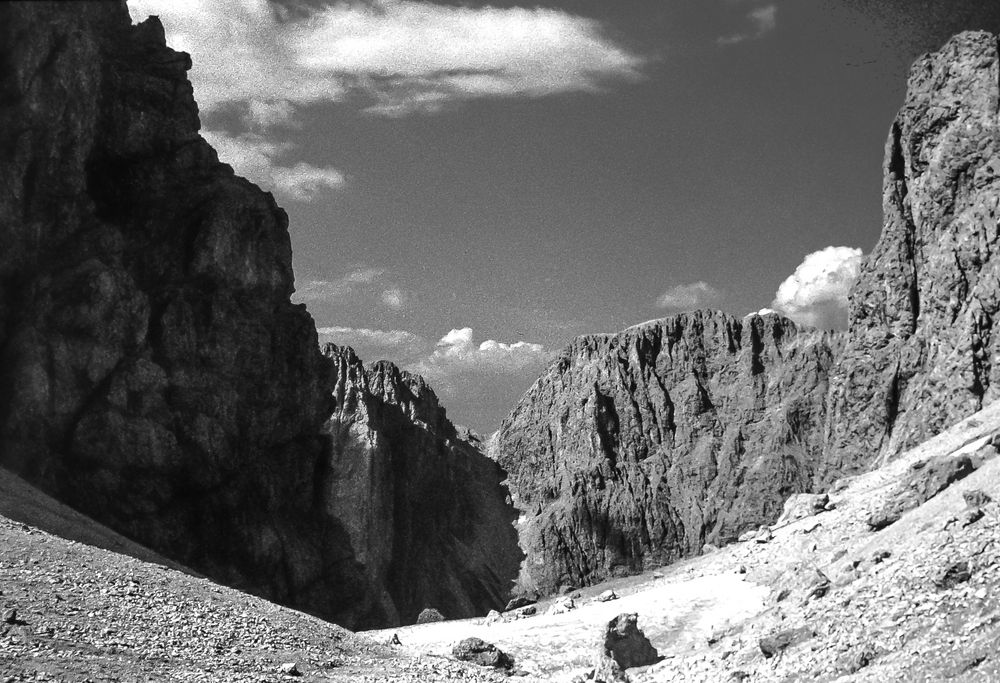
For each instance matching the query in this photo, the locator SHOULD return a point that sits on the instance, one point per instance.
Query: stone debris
(957, 573)
(782, 640)
(607, 596)
(520, 601)
(802, 505)
(478, 651)
(562, 605)
(289, 669)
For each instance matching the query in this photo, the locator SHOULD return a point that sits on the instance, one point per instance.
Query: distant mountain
(638, 448)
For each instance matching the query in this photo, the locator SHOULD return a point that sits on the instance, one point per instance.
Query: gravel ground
(86, 614)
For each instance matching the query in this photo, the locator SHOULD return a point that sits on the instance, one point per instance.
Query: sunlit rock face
(153, 372)
(641, 447)
(424, 507)
(638, 448)
(923, 350)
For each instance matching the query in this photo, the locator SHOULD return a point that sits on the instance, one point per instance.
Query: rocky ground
(70, 611)
(821, 598)
(861, 587)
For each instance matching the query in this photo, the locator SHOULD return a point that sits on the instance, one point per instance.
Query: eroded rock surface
(635, 449)
(923, 352)
(423, 505)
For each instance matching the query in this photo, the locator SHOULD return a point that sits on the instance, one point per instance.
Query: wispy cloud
(263, 62)
(394, 298)
(688, 297)
(360, 283)
(256, 158)
(394, 344)
(816, 294)
(761, 21)
(457, 353)
(407, 55)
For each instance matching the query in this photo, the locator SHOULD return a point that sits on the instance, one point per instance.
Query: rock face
(638, 448)
(155, 375)
(923, 352)
(423, 505)
(635, 449)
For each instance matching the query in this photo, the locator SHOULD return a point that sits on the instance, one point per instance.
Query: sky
(471, 185)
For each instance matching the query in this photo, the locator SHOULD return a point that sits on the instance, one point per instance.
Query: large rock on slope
(423, 505)
(154, 374)
(923, 351)
(638, 448)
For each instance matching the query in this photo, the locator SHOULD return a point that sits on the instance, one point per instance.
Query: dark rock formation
(626, 644)
(635, 449)
(155, 375)
(638, 448)
(922, 352)
(480, 652)
(423, 506)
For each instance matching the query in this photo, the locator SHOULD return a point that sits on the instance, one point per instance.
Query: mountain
(638, 448)
(422, 504)
(641, 447)
(156, 376)
(922, 351)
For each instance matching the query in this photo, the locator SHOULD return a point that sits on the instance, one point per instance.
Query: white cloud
(404, 54)
(394, 298)
(816, 293)
(255, 157)
(397, 343)
(688, 297)
(762, 21)
(336, 291)
(456, 352)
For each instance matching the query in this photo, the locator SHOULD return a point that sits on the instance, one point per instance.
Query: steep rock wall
(629, 483)
(638, 448)
(923, 352)
(153, 373)
(423, 505)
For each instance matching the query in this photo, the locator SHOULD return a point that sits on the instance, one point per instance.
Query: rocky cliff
(922, 352)
(153, 373)
(637, 448)
(423, 505)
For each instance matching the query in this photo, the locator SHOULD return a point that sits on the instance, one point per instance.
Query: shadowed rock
(482, 653)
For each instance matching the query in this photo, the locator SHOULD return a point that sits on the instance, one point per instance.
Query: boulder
(802, 505)
(429, 616)
(518, 602)
(607, 596)
(480, 652)
(782, 640)
(924, 480)
(626, 644)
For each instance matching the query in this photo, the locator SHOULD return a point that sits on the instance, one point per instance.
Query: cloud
(457, 353)
(762, 21)
(336, 291)
(395, 343)
(394, 298)
(816, 293)
(255, 157)
(403, 55)
(688, 297)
